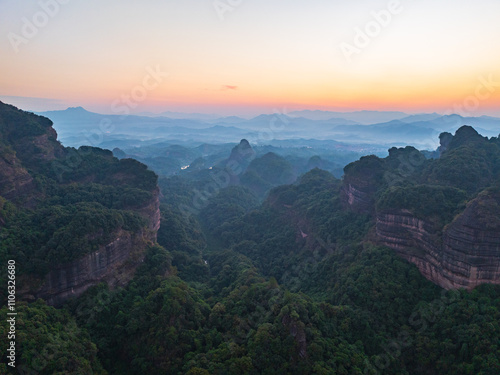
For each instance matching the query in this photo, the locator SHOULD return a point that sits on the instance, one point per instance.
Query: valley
(254, 259)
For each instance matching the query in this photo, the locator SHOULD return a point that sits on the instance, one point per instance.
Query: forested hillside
(265, 272)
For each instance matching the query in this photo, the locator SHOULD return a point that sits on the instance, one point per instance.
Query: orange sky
(253, 58)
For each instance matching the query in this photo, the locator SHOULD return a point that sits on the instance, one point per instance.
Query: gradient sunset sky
(257, 57)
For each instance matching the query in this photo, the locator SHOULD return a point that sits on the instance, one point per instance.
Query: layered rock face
(415, 240)
(464, 255)
(151, 212)
(357, 198)
(416, 197)
(29, 150)
(361, 181)
(471, 244)
(114, 263)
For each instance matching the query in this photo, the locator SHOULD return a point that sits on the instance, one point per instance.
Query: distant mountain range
(181, 115)
(77, 126)
(362, 117)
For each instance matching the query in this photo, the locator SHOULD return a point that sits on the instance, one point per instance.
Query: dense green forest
(258, 277)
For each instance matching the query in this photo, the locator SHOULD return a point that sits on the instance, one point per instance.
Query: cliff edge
(70, 218)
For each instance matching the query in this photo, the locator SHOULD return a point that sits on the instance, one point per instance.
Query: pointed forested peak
(244, 144)
(242, 150)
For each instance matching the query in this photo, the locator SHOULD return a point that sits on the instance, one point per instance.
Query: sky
(246, 57)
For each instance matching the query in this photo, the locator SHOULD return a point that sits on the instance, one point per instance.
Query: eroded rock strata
(114, 263)
(465, 254)
(30, 155)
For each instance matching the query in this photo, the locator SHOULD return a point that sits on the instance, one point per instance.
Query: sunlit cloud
(229, 87)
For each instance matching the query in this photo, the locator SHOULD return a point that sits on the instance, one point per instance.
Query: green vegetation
(295, 285)
(54, 235)
(470, 163)
(320, 307)
(441, 203)
(73, 201)
(273, 169)
(48, 341)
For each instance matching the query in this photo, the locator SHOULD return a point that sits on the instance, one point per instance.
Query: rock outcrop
(416, 240)
(29, 152)
(114, 263)
(465, 254)
(357, 198)
(412, 199)
(361, 181)
(471, 244)
(19, 146)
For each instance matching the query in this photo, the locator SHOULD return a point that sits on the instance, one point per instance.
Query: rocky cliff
(361, 181)
(24, 138)
(465, 254)
(114, 263)
(421, 212)
(414, 239)
(120, 192)
(471, 244)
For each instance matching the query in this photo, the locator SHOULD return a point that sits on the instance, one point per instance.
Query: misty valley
(309, 242)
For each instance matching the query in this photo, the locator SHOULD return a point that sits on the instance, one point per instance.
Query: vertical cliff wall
(465, 254)
(114, 263)
(420, 212)
(362, 179)
(87, 214)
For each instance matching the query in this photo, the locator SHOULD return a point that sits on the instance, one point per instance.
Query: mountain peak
(242, 152)
(466, 131)
(244, 143)
(77, 109)
(465, 135)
